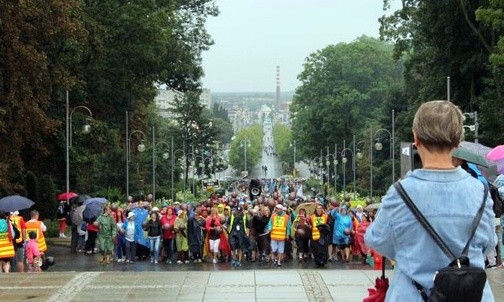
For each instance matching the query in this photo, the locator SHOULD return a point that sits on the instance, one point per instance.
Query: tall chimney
(277, 96)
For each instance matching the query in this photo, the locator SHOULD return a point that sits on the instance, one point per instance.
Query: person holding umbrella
(62, 214)
(6, 242)
(19, 224)
(106, 234)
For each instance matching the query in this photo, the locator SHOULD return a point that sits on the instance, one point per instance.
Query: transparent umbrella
(474, 153)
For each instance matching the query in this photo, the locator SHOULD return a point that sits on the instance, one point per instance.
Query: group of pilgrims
(226, 228)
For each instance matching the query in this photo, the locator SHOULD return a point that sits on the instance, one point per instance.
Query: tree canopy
(110, 55)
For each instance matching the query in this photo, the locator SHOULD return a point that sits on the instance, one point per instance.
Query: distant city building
(165, 97)
(206, 98)
(164, 101)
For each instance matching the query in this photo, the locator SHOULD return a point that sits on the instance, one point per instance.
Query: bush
(52, 228)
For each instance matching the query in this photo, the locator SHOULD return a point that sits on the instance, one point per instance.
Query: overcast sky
(252, 37)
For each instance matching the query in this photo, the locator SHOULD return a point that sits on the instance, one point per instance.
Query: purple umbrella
(92, 210)
(100, 200)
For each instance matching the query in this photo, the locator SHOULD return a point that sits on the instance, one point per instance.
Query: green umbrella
(473, 153)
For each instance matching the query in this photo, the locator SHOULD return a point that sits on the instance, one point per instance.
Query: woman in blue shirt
(447, 196)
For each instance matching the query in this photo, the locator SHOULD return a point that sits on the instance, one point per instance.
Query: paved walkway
(252, 285)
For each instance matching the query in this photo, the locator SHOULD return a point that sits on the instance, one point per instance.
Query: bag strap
(428, 227)
(476, 219)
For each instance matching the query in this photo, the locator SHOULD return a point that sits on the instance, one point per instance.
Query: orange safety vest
(17, 221)
(35, 227)
(315, 221)
(279, 227)
(6, 244)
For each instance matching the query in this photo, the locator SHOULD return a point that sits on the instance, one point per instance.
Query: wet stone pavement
(82, 278)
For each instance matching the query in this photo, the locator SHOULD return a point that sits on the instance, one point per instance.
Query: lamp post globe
(86, 129)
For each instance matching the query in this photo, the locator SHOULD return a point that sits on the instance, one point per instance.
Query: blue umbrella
(92, 210)
(15, 203)
(100, 200)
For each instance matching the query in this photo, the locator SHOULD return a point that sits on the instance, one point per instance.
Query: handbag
(458, 281)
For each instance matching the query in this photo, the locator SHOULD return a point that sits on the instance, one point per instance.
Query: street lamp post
(474, 127)
(321, 168)
(344, 161)
(335, 163)
(174, 154)
(293, 145)
(328, 163)
(379, 146)
(355, 153)
(86, 129)
(154, 160)
(140, 148)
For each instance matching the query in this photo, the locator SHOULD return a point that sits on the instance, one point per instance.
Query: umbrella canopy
(66, 195)
(378, 293)
(309, 207)
(77, 217)
(496, 154)
(79, 199)
(500, 166)
(473, 152)
(15, 203)
(92, 210)
(372, 207)
(100, 200)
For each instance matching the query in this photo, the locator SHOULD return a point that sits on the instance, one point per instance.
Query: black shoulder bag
(458, 281)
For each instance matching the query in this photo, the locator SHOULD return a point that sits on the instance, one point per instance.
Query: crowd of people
(231, 228)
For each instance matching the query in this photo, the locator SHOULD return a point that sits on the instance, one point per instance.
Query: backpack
(17, 233)
(498, 203)
(459, 281)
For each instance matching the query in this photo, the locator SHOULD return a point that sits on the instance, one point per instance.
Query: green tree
(284, 145)
(342, 91)
(460, 44)
(196, 131)
(108, 54)
(249, 139)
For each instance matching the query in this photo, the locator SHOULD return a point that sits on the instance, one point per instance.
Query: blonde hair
(439, 125)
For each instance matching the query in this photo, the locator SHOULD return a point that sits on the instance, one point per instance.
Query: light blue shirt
(449, 199)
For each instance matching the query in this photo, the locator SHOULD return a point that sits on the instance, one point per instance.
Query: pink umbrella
(496, 153)
(500, 165)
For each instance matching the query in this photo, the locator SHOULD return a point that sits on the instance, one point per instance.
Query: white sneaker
(120, 260)
(187, 261)
(179, 261)
(199, 261)
(155, 262)
(214, 261)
